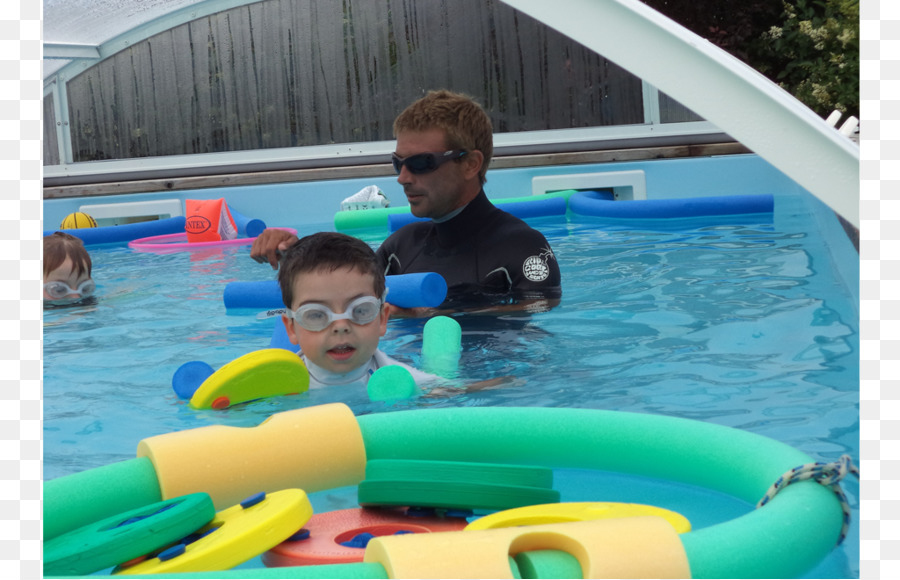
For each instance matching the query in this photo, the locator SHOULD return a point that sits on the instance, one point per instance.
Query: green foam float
(126, 536)
(784, 538)
(801, 527)
(391, 383)
(441, 346)
(73, 501)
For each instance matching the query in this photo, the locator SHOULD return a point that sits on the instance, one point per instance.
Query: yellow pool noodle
(311, 449)
(641, 547)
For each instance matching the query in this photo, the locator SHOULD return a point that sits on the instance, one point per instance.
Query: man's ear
(472, 162)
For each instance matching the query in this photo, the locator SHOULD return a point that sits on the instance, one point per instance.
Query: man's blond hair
(463, 121)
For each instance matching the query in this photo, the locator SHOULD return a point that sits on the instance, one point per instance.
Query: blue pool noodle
(189, 376)
(125, 232)
(521, 209)
(590, 204)
(404, 290)
(262, 294)
(247, 227)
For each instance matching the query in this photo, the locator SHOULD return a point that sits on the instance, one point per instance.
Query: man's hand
(270, 245)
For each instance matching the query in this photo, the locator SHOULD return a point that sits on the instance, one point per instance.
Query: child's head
(67, 268)
(341, 274)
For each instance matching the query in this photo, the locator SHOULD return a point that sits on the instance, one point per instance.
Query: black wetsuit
(485, 254)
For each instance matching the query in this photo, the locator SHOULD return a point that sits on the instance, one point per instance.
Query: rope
(828, 474)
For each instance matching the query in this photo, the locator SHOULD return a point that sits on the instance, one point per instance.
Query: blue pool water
(748, 322)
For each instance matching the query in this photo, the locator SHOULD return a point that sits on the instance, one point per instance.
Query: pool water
(749, 322)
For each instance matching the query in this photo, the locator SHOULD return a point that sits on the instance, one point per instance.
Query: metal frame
(651, 133)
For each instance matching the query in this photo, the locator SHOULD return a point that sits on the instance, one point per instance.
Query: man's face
(439, 192)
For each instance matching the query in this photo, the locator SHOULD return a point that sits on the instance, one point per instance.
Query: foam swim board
(125, 536)
(262, 373)
(235, 535)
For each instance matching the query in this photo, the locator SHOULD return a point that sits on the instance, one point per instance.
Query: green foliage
(814, 54)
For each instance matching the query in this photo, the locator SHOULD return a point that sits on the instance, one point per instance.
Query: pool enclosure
(163, 96)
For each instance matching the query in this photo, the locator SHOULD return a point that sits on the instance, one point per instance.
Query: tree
(809, 47)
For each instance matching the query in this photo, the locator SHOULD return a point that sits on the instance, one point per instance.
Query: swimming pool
(747, 322)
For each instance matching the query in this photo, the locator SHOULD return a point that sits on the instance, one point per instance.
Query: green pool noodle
(566, 193)
(455, 484)
(489, 473)
(73, 501)
(548, 564)
(378, 217)
(365, 218)
(784, 539)
(514, 568)
(391, 383)
(441, 346)
(326, 571)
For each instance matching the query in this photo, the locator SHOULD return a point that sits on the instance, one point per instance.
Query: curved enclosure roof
(80, 33)
(89, 28)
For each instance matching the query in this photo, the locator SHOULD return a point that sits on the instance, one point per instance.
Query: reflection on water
(739, 325)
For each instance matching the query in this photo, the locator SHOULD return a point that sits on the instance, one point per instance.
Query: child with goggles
(67, 270)
(334, 291)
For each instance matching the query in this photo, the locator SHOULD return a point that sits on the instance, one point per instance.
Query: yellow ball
(77, 220)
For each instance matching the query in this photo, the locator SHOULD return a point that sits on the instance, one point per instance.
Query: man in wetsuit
(487, 256)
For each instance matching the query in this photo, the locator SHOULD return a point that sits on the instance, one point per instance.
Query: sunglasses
(58, 290)
(425, 162)
(316, 317)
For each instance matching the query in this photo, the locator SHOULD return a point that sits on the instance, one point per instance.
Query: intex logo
(197, 224)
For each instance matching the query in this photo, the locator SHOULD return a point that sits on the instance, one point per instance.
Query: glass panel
(286, 73)
(51, 143)
(671, 111)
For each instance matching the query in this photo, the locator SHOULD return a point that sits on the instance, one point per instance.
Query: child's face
(66, 274)
(343, 345)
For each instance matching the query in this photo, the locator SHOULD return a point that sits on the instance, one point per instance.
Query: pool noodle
(247, 227)
(548, 564)
(365, 218)
(189, 376)
(731, 461)
(539, 207)
(404, 290)
(590, 204)
(125, 232)
(391, 383)
(380, 217)
(79, 499)
(441, 346)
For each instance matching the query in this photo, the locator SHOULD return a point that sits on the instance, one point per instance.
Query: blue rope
(828, 474)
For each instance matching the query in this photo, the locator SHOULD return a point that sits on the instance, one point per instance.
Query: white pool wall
(315, 202)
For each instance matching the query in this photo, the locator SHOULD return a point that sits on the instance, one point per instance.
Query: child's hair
(464, 122)
(327, 252)
(58, 246)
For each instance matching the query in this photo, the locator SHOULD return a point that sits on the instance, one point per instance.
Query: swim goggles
(316, 317)
(57, 290)
(425, 162)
